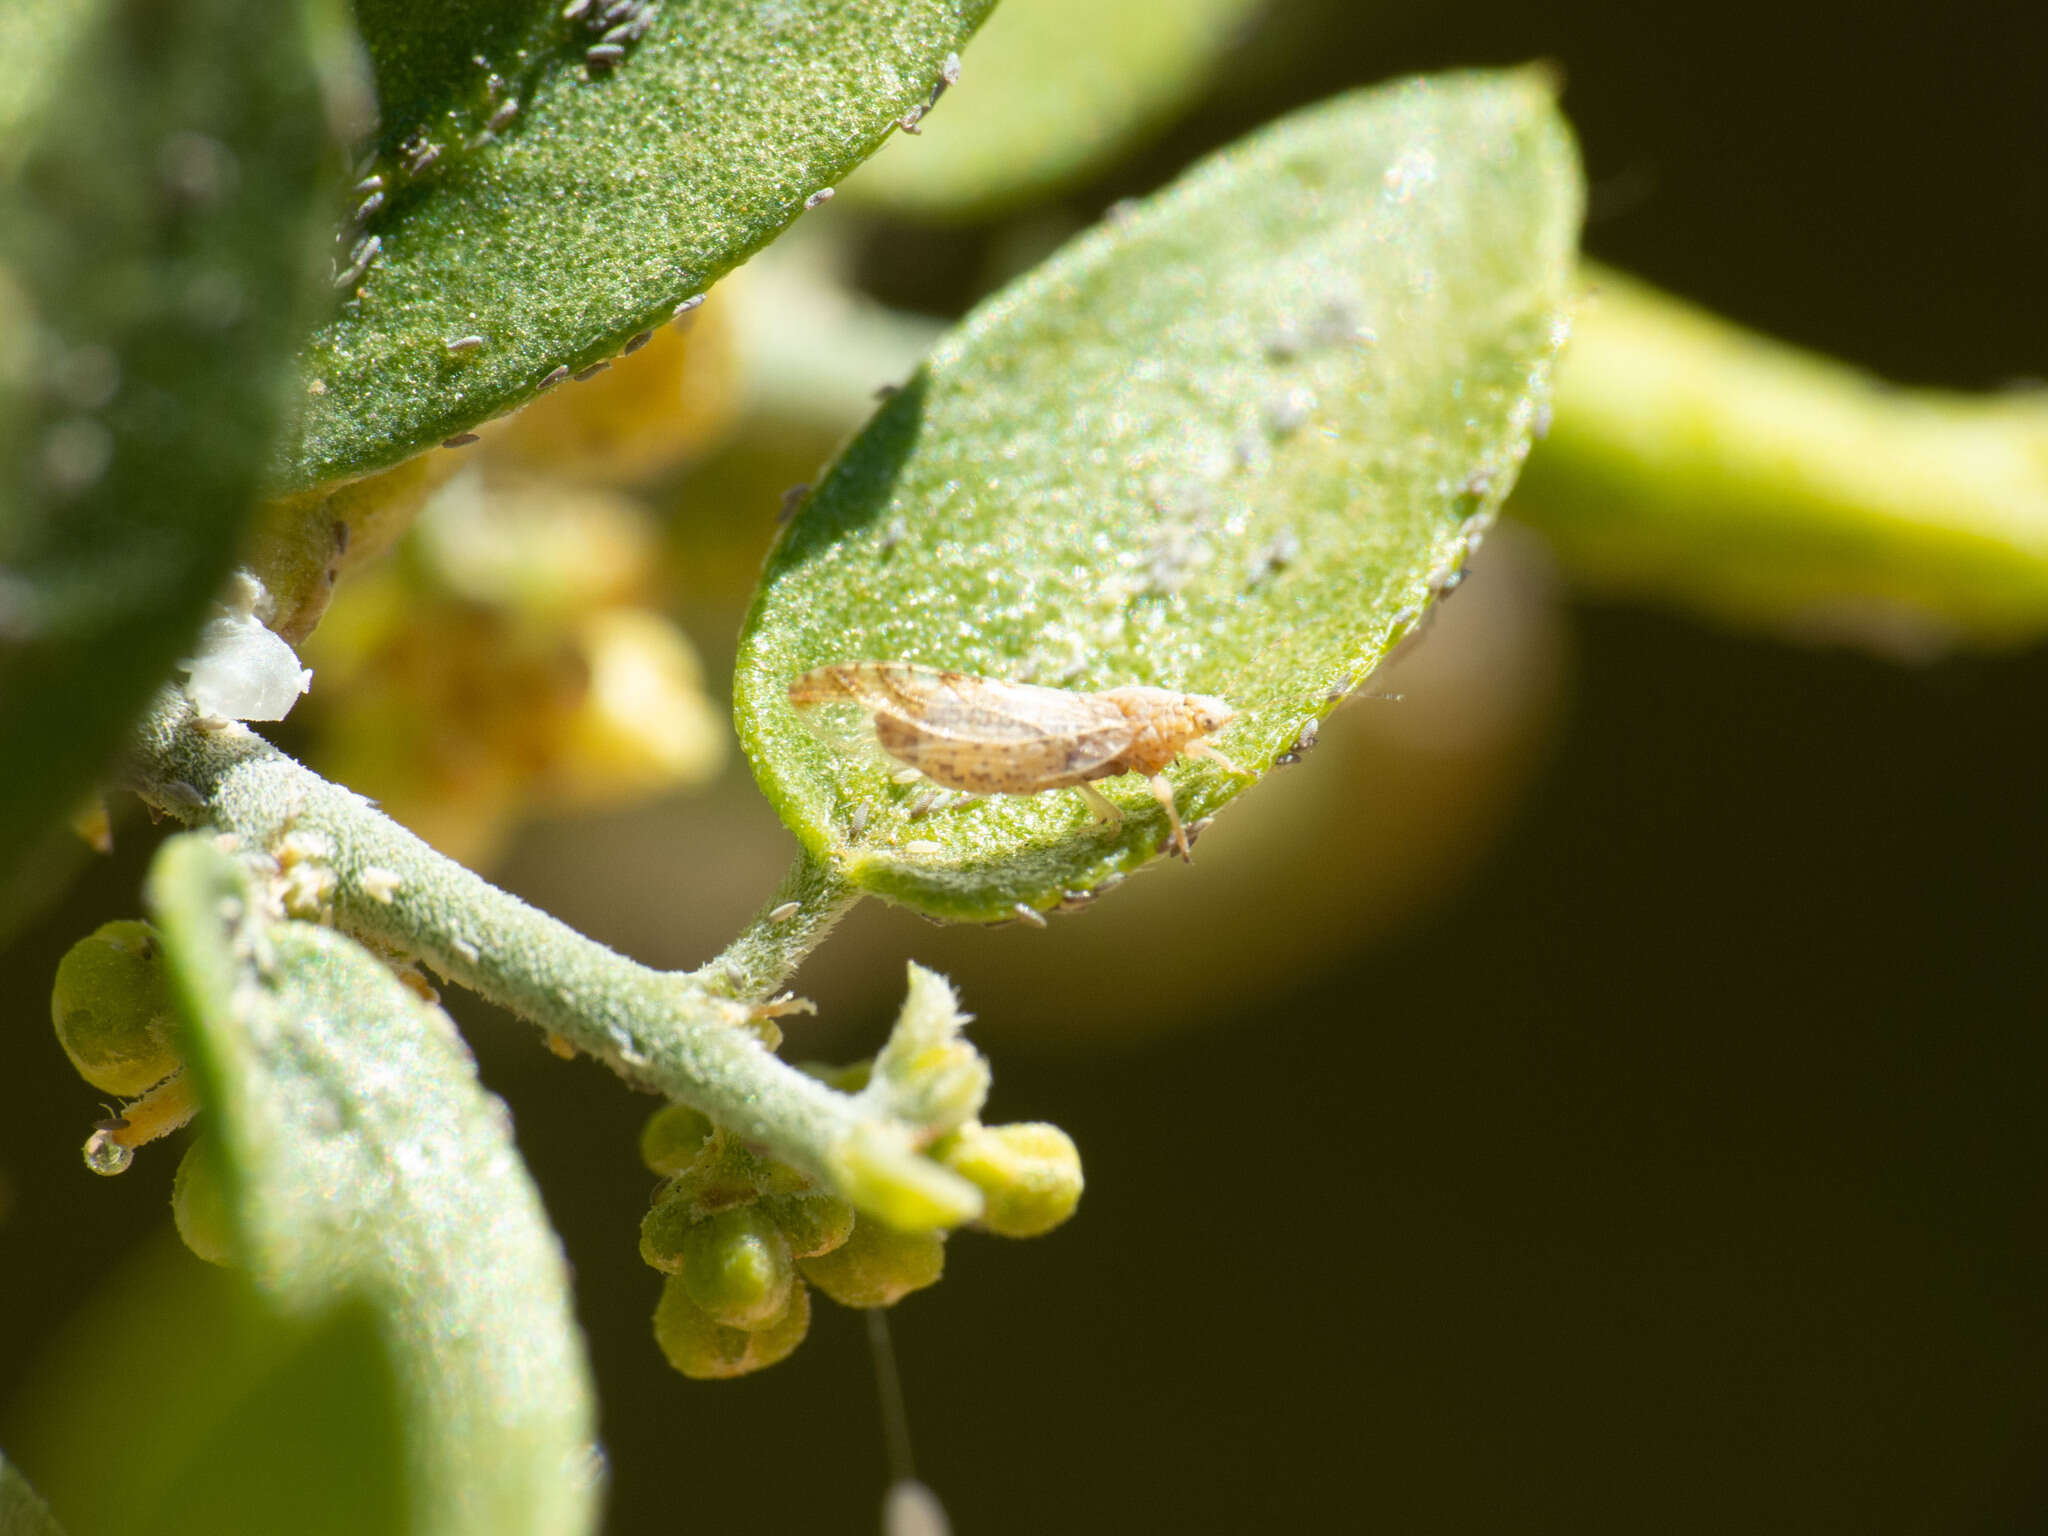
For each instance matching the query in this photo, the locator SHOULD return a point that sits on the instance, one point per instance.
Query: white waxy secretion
(242, 670)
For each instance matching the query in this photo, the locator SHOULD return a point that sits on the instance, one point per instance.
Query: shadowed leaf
(160, 173)
(252, 1421)
(21, 1512)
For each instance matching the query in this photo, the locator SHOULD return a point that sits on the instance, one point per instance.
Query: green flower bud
(663, 1229)
(199, 1203)
(113, 1011)
(773, 1178)
(673, 1137)
(705, 1350)
(878, 1266)
(737, 1267)
(814, 1223)
(938, 1087)
(724, 1173)
(1029, 1174)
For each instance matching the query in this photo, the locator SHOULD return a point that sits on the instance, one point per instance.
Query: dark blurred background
(1607, 1105)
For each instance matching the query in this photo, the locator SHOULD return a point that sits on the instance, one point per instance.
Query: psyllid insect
(987, 737)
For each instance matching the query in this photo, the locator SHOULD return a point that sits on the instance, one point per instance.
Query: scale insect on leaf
(987, 737)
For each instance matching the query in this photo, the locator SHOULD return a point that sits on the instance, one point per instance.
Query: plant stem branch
(794, 921)
(684, 1035)
(1692, 459)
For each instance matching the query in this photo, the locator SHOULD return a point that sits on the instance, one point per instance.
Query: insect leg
(1105, 809)
(1203, 749)
(1163, 793)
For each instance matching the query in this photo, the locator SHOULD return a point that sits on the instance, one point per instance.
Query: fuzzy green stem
(1694, 460)
(794, 921)
(674, 1033)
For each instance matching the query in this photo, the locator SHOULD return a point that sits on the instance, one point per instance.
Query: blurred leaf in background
(22, 1512)
(161, 181)
(1060, 89)
(180, 1402)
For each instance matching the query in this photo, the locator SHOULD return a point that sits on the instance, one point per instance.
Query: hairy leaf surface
(552, 204)
(1232, 442)
(364, 1165)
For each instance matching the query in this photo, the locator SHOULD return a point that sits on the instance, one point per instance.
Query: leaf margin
(858, 500)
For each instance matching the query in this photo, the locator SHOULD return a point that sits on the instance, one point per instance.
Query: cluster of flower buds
(744, 1239)
(730, 1230)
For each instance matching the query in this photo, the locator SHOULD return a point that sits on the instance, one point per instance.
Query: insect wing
(833, 706)
(973, 733)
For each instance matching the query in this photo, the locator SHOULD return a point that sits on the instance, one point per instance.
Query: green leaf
(363, 1163)
(1230, 443)
(34, 40)
(178, 1403)
(605, 196)
(21, 1512)
(1052, 91)
(306, 1436)
(158, 182)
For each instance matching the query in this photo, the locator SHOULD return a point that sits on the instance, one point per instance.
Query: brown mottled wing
(975, 733)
